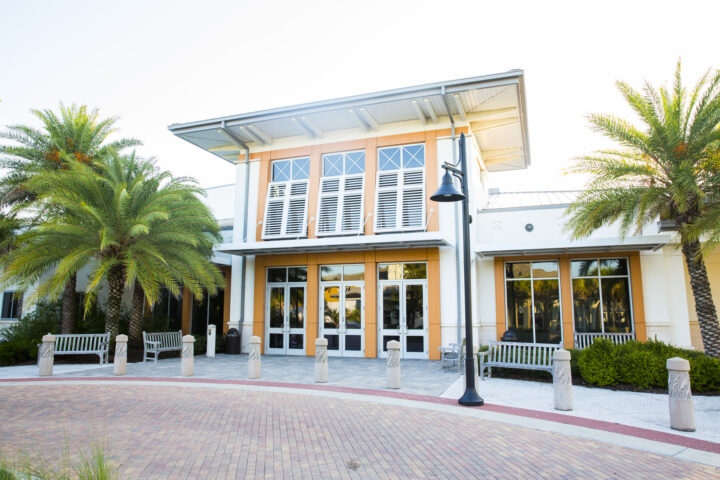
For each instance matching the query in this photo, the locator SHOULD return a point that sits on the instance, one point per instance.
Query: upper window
(532, 297)
(601, 295)
(286, 208)
(11, 305)
(340, 209)
(400, 204)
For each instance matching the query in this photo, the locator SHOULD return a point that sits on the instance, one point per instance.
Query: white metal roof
(493, 106)
(516, 200)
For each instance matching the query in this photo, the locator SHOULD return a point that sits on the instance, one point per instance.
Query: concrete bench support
(682, 411)
(321, 360)
(187, 363)
(562, 380)
(120, 358)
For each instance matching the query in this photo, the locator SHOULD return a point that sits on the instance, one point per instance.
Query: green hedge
(642, 365)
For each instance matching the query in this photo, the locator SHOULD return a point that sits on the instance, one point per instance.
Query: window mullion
(532, 302)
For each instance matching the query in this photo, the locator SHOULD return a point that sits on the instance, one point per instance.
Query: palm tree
(126, 220)
(669, 169)
(73, 133)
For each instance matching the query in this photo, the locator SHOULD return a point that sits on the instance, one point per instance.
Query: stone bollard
(46, 355)
(210, 352)
(682, 412)
(321, 360)
(562, 380)
(393, 364)
(188, 356)
(254, 358)
(120, 359)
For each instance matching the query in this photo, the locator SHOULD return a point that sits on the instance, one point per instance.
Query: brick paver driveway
(163, 431)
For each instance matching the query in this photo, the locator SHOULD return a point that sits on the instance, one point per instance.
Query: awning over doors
(591, 245)
(337, 244)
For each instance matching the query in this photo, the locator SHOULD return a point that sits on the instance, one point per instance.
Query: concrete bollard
(188, 356)
(210, 352)
(682, 412)
(321, 360)
(46, 355)
(562, 380)
(120, 359)
(393, 364)
(254, 358)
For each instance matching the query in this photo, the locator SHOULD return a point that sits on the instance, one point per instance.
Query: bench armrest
(483, 355)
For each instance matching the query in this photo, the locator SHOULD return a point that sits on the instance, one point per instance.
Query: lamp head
(447, 192)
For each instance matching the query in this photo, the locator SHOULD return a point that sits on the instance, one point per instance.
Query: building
(334, 232)
(328, 231)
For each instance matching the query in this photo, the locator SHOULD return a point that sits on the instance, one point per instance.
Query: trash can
(232, 342)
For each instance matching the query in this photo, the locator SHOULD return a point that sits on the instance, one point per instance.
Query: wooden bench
(158, 342)
(83, 344)
(526, 356)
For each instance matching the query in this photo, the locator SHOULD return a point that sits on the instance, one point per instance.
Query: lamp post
(449, 193)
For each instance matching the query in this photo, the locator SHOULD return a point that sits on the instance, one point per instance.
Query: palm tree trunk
(69, 306)
(116, 286)
(704, 306)
(136, 314)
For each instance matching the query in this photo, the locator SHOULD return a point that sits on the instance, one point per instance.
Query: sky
(154, 63)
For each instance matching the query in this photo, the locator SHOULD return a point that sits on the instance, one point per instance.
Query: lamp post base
(471, 399)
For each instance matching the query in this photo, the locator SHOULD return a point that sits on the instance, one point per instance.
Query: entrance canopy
(337, 244)
(591, 245)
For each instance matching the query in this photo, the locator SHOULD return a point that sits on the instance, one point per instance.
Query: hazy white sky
(153, 63)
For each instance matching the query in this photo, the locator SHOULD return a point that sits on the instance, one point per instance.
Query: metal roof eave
(337, 244)
(486, 81)
(649, 242)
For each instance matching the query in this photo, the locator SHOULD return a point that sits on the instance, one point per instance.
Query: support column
(562, 380)
(254, 358)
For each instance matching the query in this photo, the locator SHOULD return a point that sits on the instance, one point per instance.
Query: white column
(210, 350)
(682, 412)
(321, 360)
(254, 358)
(393, 364)
(562, 380)
(120, 358)
(188, 356)
(46, 355)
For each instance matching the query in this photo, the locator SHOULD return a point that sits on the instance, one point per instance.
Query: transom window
(601, 295)
(532, 297)
(340, 273)
(286, 207)
(294, 169)
(400, 204)
(402, 271)
(286, 274)
(342, 187)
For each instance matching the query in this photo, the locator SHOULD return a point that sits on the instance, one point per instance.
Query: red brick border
(645, 433)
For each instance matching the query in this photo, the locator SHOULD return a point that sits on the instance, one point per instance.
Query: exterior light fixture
(449, 193)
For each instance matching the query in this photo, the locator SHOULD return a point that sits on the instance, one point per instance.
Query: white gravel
(645, 410)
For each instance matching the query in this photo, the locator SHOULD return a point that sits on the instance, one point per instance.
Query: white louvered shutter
(274, 210)
(340, 208)
(413, 199)
(286, 210)
(387, 201)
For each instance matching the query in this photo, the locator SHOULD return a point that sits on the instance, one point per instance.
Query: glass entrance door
(285, 319)
(403, 314)
(342, 318)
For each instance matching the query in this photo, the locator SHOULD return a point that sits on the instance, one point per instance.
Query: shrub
(643, 365)
(597, 363)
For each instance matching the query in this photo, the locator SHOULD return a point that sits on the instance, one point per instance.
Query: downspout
(243, 258)
(457, 224)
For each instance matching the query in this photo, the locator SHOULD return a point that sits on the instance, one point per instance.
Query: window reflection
(532, 292)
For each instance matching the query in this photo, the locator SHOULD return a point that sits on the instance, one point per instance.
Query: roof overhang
(493, 106)
(337, 244)
(593, 245)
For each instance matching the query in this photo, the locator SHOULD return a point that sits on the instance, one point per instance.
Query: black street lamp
(449, 193)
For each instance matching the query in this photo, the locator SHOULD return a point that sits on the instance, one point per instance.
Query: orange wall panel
(311, 309)
(566, 303)
(637, 296)
(433, 288)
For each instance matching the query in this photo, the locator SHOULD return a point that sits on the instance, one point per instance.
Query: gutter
(233, 138)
